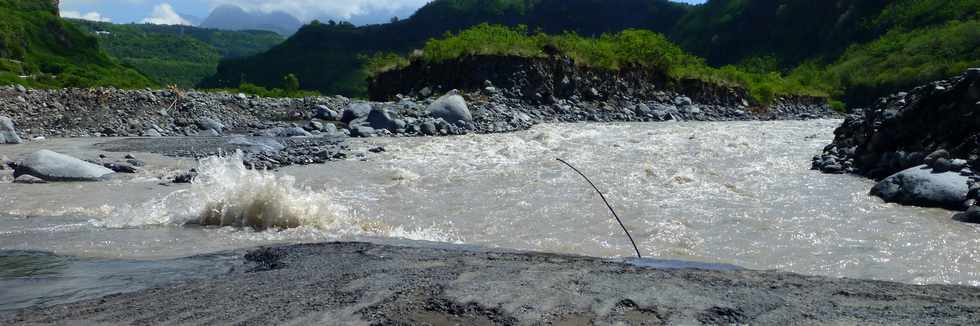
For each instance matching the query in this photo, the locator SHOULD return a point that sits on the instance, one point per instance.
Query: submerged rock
(29, 179)
(922, 186)
(8, 135)
(120, 167)
(52, 166)
(972, 215)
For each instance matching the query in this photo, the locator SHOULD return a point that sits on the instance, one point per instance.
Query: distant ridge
(229, 17)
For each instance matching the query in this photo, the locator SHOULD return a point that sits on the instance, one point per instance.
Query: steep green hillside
(329, 56)
(730, 31)
(50, 52)
(903, 59)
(179, 55)
(803, 39)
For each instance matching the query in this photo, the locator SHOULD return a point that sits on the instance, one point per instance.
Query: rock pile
(924, 143)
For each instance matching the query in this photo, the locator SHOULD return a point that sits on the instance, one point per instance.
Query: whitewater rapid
(734, 192)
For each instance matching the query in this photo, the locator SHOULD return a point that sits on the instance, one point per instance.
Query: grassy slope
(628, 49)
(178, 55)
(54, 53)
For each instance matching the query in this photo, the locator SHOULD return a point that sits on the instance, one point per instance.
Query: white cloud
(93, 16)
(309, 9)
(164, 14)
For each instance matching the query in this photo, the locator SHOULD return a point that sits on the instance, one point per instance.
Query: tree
(290, 83)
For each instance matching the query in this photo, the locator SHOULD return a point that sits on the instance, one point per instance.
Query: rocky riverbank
(559, 89)
(269, 129)
(360, 283)
(924, 143)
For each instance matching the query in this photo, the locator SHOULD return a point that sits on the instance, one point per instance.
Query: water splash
(227, 194)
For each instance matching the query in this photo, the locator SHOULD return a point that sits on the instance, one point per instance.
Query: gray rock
(185, 177)
(642, 109)
(935, 156)
(921, 186)
(257, 144)
(208, 123)
(151, 133)
(325, 113)
(285, 132)
(121, 167)
(53, 166)
(451, 108)
(972, 215)
(314, 125)
(355, 111)
(329, 128)
(295, 132)
(20, 88)
(208, 133)
(29, 179)
(362, 131)
(380, 118)
(429, 128)
(8, 135)
(682, 100)
(425, 92)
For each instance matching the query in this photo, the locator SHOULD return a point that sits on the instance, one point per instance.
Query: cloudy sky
(171, 11)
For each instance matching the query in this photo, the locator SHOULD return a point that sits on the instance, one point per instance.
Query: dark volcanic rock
(355, 111)
(933, 121)
(52, 166)
(936, 125)
(380, 118)
(360, 283)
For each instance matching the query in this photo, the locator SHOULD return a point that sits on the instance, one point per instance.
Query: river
(731, 192)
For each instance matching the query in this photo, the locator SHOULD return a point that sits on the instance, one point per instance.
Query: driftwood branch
(638, 255)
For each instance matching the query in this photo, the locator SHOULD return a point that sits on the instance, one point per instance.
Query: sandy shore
(360, 283)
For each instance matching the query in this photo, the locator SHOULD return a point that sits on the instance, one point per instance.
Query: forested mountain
(894, 44)
(37, 48)
(233, 18)
(328, 56)
(173, 54)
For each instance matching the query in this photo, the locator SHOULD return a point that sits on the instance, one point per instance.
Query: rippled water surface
(735, 192)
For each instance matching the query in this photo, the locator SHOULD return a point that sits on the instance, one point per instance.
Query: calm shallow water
(735, 192)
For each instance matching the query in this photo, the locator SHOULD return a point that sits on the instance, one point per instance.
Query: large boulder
(451, 108)
(380, 118)
(51, 166)
(8, 135)
(922, 186)
(355, 111)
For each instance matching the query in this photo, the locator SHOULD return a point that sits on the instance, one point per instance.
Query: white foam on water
(270, 207)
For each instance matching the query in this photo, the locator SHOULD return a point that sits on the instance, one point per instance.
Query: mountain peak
(231, 17)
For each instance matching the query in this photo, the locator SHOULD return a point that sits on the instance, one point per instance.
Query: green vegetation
(627, 49)
(39, 49)
(330, 57)
(903, 59)
(919, 13)
(180, 55)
